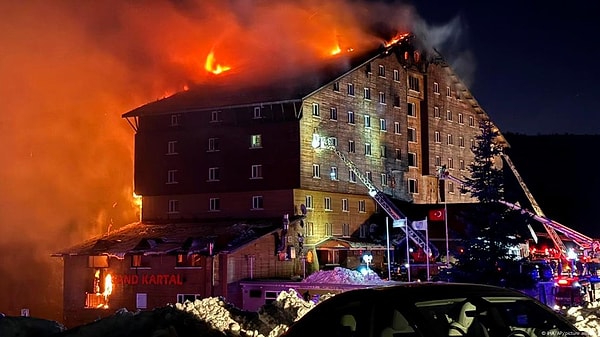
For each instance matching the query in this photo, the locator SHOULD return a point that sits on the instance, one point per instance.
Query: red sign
(148, 279)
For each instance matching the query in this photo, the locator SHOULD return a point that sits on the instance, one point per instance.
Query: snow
(216, 317)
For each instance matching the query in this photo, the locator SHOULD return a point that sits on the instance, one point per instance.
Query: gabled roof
(165, 238)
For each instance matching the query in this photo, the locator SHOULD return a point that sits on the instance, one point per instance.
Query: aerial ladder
(381, 198)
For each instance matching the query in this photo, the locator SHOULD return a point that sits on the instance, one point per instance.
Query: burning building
(233, 187)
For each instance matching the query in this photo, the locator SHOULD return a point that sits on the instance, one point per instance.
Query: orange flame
(108, 286)
(396, 39)
(210, 65)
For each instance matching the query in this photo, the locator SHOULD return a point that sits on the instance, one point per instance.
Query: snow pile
(341, 275)
(586, 319)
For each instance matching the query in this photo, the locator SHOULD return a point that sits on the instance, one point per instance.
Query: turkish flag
(436, 214)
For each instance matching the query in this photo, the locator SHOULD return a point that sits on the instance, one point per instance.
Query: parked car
(431, 310)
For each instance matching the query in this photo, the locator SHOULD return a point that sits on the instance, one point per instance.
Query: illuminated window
(214, 204)
(412, 135)
(350, 89)
(316, 171)
(315, 110)
(396, 75)
(367, 149)
(367, 121)
(436, 88)
(382, 124)
(140, 261)
(256, 172)
(213, 144)
(413, 187)
(172, 177)
(384, 179)
(437, 137)
(171, 147)
(257, 202)
(367, 93)
(98, 261)
(215, 116)
(257, 112)
(333, 173)
(461, 119)
(255, 141)
(327, 203)
(351, 176)
(344, 205)
(350, 117)
(362, 206)
(412, 159)
(412, 109)
(333, 114)
(174, 120)
(173, 207)
(381, 70)
(397, 128)
(308, 201)
(351, 146)
(345, 230)
(450, 140)
(188, 260)
(213, 174)
(413, 83)
(99, 290)
(382, 97)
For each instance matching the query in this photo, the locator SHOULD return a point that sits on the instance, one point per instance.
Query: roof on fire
(165, 238)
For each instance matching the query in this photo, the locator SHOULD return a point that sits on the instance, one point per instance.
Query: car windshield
(491, 316)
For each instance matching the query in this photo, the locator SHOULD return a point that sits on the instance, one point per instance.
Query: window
(363, 231)
(436, 137)
(436, 112)
(412, 159)
(412, 135)
(383, 151)
(256, 172)
(472, 141)
(255, 141)
(450, 163)
(140, 261)
(257, 202)
(461, 141)
(471, 121)
(173, 206)
(367, 149)
(461, 119)
(213, 144)
(351, 147)
(369, 176)
(310, 229)
(350, 117)
(332, 141)
(438, 161)
(336, 86)
(316, 171)
(315, 110)
(172, 177)
(215, 116)
(382, 97)
(362, 206)
(181, 298)
(188, 260)
(396, 101)
(257, 112)
(350, 89)
(412, 111)
(397, 128)
(382, 124)
(448, 115)
(328, 229)
(450, 187)
(346, 229)
(171, 147)
(98, 261)
(413, 187)
(344, 205)
(367, 93)
(461, 164)
(413, 83)
(213, 173)
(436, 88)
(384, 179)
(396, 75)
(351, 176)
(367, 121)
(398, 154)
(327, 203)
(333, 173)
(448, 92)
(174, 120)
(141, 301)
(333, 114)
(214, 204)
(450, 140)
(308, 200)
(381, 70)
(368, 68)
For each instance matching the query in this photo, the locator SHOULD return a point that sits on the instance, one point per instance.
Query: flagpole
(407, 249)
(446, 224)
(387, 232)
(427, 245)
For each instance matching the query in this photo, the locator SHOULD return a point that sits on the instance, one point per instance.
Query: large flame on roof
(211, 64)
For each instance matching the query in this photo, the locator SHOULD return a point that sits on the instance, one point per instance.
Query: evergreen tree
(492, 229)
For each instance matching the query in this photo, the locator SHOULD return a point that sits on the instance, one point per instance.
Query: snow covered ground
(215, 317)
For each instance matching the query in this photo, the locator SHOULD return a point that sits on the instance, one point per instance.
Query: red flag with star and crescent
(437, 214)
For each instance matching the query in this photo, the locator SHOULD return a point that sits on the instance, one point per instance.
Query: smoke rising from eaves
(71, 68)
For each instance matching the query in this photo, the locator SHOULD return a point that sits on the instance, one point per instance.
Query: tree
(492, 230)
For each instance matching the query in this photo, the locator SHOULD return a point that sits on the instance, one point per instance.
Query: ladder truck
(381, 198)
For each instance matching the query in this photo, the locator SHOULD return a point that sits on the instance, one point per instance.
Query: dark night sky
(534, 64)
